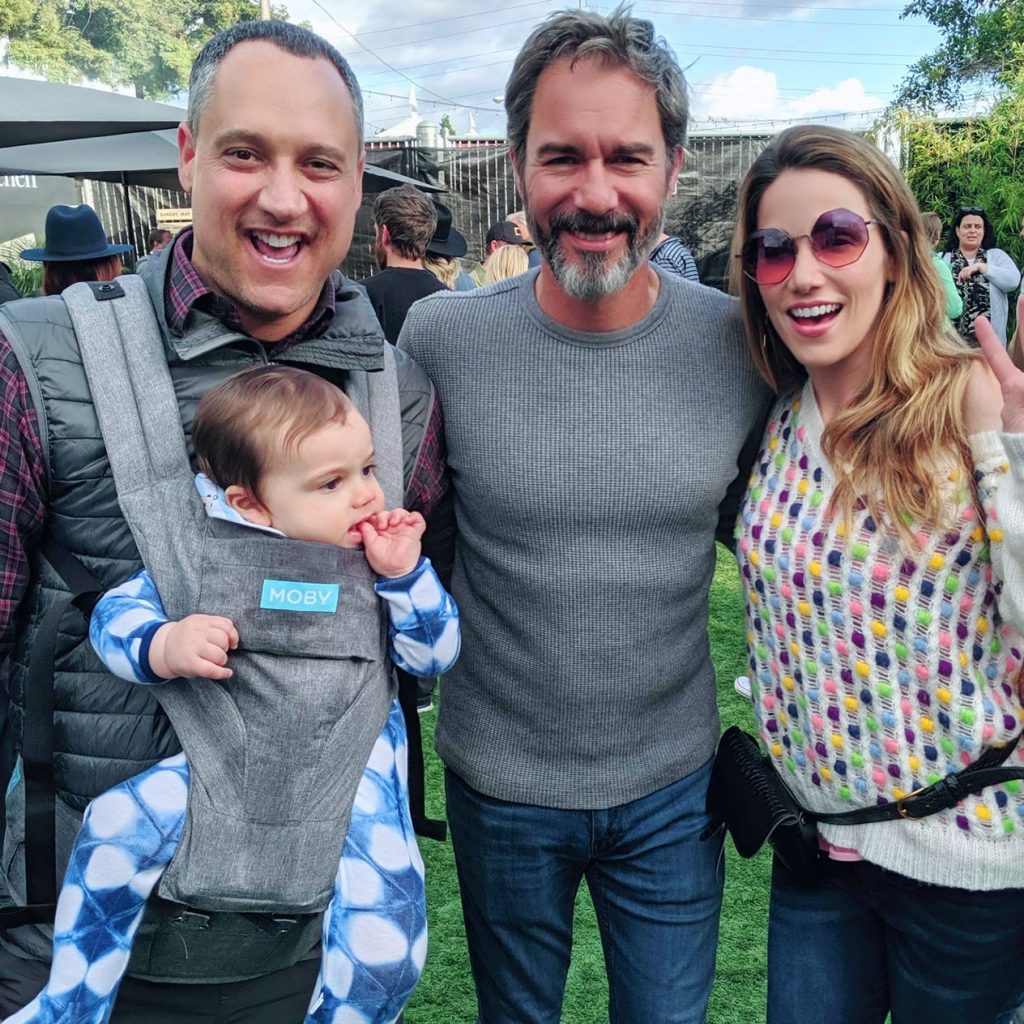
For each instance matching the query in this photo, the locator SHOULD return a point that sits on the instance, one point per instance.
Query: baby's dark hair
(237, 422)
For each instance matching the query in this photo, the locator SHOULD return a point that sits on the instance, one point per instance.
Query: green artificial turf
(445, 994)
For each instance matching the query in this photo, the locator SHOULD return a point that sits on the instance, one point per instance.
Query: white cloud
(753, 94)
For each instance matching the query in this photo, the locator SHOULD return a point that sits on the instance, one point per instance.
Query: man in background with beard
(597, 420)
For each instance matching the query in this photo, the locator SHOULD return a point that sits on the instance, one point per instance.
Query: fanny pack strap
(939, 796)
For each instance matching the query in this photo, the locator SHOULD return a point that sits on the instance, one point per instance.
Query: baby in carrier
(283, 452)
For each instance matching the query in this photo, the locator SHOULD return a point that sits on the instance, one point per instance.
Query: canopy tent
(32, 112)
(139, 158)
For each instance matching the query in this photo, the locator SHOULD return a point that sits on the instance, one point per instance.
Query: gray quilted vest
(277, 751)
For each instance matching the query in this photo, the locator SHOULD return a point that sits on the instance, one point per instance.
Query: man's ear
(675, 167)
(360, 168)
(247, 505)
(186, 156)
(517, 171)
(383, 234)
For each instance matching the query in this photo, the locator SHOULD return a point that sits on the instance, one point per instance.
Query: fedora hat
(73, 233)
(446, 241)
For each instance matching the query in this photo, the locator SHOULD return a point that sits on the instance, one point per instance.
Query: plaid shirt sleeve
(22, 486)
(427, 482)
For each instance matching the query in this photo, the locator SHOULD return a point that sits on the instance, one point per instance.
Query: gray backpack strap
(123, 353)
(130, 382)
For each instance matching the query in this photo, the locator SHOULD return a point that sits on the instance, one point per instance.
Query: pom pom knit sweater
(878, 668)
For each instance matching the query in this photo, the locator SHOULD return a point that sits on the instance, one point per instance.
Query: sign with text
(295, 596)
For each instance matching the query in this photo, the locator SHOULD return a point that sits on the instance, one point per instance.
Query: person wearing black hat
(503, 232)
(76, 249)
(518, 219)
(444, 250)
(404, 220)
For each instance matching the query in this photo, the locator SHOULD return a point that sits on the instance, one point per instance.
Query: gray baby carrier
(277, 751)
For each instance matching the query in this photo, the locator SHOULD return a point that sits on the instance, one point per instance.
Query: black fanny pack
(748, 796)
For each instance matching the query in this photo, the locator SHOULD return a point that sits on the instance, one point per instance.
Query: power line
(772, 7)
(767, 56)
(784, 21)
(826, 57)
(778, 7)
(438, 21)
(375, 55)
(447, 60)
(448, 35)
(714, 17)
(700, 47)
(438, 103)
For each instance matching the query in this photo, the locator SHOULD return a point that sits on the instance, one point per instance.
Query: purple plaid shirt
(22, 478)
(185, 289)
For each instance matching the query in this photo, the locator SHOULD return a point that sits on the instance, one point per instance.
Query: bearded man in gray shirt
(596, 412)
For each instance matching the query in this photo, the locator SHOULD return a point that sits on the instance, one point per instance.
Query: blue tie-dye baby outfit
(374, 931)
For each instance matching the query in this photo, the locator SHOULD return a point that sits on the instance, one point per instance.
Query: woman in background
(444, 250)
(933, 229)
(76, 249)
(984, 275)
(505, 262)
(881, 545)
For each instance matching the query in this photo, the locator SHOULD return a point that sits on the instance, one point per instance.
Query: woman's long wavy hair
(894, 444)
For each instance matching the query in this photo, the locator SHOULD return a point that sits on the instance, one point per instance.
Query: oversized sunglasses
(838, 238)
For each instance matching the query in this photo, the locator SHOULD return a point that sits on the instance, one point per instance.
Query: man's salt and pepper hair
(616, 40)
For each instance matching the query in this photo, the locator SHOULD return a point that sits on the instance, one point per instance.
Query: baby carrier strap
(123, 353)
(133, 395)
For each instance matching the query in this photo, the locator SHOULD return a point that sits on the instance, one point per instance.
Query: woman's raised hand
(1011, 380)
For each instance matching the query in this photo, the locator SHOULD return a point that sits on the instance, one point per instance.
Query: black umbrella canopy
(33, 112)
(139, 158)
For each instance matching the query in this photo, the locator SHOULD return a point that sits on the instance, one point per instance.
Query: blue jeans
(865, 942)
(656, 887)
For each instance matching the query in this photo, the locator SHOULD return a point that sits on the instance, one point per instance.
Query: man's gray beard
(594, 277)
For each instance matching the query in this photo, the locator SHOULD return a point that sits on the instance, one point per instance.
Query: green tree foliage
(982, 43)
(147, 44)
(980, 162)
(445, 124)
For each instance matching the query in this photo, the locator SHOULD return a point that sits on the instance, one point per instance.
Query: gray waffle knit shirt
(588, 472)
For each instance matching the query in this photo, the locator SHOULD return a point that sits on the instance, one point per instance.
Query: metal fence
(110, 202)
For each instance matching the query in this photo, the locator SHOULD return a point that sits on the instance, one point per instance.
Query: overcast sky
(746, 62)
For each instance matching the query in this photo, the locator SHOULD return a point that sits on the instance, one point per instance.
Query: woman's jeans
(657, 891)
(865, 942)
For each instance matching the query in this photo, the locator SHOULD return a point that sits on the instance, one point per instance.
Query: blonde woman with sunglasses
(881, 545)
